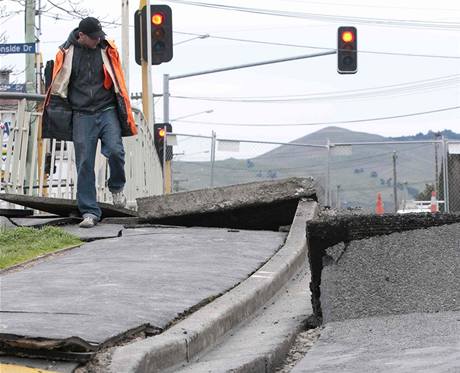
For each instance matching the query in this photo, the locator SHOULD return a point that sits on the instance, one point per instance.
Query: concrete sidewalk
(106, 289)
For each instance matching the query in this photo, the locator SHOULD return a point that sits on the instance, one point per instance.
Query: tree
(426, 194)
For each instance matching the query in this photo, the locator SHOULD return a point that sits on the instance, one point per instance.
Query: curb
(201, 330)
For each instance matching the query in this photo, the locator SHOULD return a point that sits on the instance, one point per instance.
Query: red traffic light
(347, 50)
(159, 25)
(161, 132)
(157, 19)
(348, 36)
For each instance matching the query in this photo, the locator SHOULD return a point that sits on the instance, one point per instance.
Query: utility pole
(445, 172)
(437, 136)
(125, 39)
(33, 85)
(328, 175)
(395, 189)
(337, 200)
(29, 33)
(213, 157)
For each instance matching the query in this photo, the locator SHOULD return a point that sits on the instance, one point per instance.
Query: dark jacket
(89, 94)
(86, 86)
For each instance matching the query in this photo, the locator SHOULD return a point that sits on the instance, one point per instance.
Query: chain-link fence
(453, 176)
(191, 162)
(403, 173)
(346, 174)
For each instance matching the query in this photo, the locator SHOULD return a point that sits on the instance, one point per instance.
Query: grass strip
(21, 244)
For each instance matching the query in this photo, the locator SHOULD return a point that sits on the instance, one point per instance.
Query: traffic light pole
(167, 78)
(166, 91)
(125, 39)
(167, 174)
(237, 67)
(147, 100)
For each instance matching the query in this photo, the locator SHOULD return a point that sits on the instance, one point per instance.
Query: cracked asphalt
(390, 304)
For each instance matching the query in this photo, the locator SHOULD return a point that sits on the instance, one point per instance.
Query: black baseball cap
(92, 27)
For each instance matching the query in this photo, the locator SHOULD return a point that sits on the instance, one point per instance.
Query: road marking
(10, 368)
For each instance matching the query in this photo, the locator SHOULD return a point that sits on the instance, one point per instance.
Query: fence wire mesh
(453, 176)
(346, 175)
(191, 162)
(402, 173)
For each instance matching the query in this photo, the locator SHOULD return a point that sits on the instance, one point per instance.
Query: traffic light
(160, 26)
(159, 139)
(347, 50)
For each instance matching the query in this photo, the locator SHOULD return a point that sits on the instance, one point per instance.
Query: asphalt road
(391, 304)
(416, 342)
(413, 271)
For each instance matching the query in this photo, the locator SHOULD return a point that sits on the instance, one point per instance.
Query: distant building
(6, 86)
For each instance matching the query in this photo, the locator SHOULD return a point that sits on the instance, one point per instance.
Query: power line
(372, 6)
(327, 17)
(203, 36)
(75, 15)
(420, 86)
(320, 123)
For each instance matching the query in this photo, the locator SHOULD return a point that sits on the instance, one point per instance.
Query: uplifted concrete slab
(98, 292)
(99, 232)
(62, 207)
(417, 342)
(38, 222)
(15, 213)
(260, 205)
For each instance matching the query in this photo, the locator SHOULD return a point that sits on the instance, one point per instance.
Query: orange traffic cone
(379, 206)
(434, 203)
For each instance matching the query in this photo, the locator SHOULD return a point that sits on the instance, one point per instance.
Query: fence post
(213, 157)
(328, 175)
(445, 156)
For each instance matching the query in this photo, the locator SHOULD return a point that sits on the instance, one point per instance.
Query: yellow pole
(145, 102)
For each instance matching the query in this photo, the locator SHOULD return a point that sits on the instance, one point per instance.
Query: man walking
(87, 100)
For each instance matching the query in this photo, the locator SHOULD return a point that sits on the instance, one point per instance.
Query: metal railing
(44, 167)
(347, 174)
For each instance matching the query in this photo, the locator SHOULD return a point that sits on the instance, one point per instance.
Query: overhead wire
(326, 17)
(347, 5)
(419, 86)
(75, 15)
(321, 123)
(203, 36)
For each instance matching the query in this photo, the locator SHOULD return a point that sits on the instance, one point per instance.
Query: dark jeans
(87, 129)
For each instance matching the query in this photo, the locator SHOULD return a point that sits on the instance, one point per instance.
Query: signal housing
(347, 50)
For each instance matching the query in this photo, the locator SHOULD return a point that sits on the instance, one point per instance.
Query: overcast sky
(297, 93)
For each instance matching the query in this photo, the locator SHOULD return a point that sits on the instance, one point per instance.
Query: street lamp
(192, 115)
